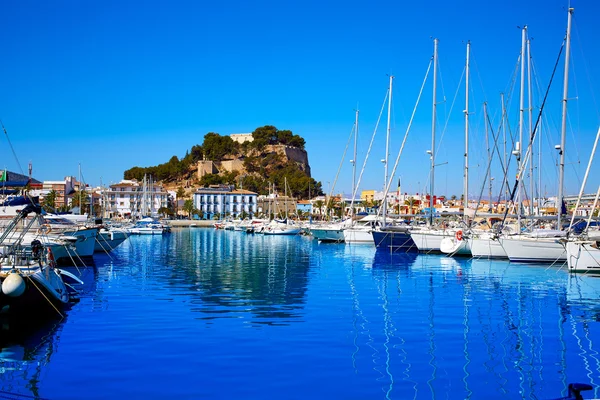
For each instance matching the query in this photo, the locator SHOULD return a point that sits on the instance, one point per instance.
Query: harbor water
(200, 313)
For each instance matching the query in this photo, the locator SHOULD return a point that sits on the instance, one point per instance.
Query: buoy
(13, 285)
(459, 235)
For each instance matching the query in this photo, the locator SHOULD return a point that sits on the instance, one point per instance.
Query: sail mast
(466, 173)
(387, 151)
(433, 114)
(354, 165)
(563, 130)
(521, 120)
(530, 118)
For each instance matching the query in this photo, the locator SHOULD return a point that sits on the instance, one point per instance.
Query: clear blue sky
(111, 85)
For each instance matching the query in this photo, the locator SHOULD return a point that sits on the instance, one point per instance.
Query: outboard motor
(37, 249)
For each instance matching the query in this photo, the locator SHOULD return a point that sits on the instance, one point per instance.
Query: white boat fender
(68, 238)
(70, 276)
(13, 285)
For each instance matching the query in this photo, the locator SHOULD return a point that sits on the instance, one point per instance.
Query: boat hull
(394, 240)
(108, 240)
(534, 250)
(358, 236)
(328, 235)
(429, 241)
(486, 248)
(583, 256)
(45, 293)
(454, 247)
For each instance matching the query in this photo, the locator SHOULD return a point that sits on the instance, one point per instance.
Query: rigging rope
(389, 184)
(527, 154)
(371, 144)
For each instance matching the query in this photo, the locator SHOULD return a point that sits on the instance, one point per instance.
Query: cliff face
(292, 154)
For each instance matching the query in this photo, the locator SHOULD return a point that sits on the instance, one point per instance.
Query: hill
(257, 161)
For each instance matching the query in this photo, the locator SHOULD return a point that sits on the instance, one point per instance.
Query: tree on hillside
(180, 193)
(269, 134)
(215, 146)
(211, 179)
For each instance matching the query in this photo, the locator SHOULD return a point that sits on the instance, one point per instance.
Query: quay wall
(185, 223)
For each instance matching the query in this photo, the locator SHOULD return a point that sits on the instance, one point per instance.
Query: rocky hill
(255, 162)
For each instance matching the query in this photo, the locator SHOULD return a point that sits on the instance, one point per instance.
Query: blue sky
(111, 85)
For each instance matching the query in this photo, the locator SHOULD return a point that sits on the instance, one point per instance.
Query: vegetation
(82, 196)
(262, 166)
(188, 207)
(50, 201)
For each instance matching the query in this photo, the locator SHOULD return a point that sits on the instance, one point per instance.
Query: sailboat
(429, 239)
(29, 280)
(545, 245)
(334, 232)
(458, 244)
(285, 227)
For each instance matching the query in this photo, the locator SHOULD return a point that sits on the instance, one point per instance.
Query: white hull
(328, 234)
(146, 231)
(362, 236)
(482, 247)
(429, 241)
(524, 249)
(452, 246)
(282, 231)
(583, 256)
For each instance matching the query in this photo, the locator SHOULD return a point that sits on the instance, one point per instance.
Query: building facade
(130, 198)
(225, 201)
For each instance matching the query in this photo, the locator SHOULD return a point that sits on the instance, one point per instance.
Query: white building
(130, 198)
(241, 137)
(225, 201)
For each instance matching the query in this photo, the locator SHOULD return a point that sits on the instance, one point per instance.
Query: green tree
(81, 196)
(188, 207)
(50, 201)
(215, 146)
(211, 179)
(318, 205)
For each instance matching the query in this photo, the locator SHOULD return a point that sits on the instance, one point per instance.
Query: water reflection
(228, 274)
(26, 347)
(446, 320)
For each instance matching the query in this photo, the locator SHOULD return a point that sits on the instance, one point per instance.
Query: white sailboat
(544, 246)
(459, 243)
(430, 239)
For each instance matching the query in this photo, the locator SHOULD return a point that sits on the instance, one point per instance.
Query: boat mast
(80, 188)
(504, 138)
(521, 120)
(466, 173)
(489, 154)
(530, 116)
(432, 151)
(387, 151)
(563, 130)
(353, 161)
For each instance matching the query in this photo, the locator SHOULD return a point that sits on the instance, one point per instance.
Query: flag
(3, 176)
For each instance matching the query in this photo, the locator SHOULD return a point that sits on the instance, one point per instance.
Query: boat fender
(13, 285)
(44, 229)
(458, 235)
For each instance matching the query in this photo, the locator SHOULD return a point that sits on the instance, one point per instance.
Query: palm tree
(188, 207)
(50, 201)
(319, 206)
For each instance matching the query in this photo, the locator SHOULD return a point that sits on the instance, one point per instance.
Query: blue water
(221, 314)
